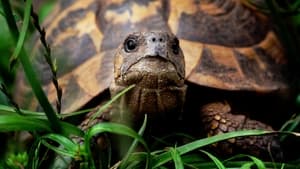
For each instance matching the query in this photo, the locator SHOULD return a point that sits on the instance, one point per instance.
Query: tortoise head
(154, 62)
(151, 60)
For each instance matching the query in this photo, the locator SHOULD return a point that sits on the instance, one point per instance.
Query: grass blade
(20, 123)
(106, 105)
(67, 148)
(176, 158)
(28, 69)
(7, 110)
(133, 145)
(23, 32)
(255, 161)
(47, 56)
(15, 122)
(111, 128)
(217, 162)
(165, 157)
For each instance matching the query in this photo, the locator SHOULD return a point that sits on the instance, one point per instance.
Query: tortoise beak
(152, 72)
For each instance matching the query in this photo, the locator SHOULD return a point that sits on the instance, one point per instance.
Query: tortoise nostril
(157, 39)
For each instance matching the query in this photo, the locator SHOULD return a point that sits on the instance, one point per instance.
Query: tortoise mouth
(153, 73)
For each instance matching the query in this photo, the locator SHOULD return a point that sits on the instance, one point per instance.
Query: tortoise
(208, 67)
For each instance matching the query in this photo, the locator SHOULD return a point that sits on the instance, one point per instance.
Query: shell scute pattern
(226, 45)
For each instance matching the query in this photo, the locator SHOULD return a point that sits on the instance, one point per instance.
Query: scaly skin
(218, 118)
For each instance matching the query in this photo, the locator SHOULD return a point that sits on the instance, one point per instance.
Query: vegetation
(53, 135)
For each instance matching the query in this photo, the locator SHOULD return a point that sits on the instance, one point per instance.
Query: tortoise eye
(175, 46)
(130, 44)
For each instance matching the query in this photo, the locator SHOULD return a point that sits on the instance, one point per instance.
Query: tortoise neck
(158, 104)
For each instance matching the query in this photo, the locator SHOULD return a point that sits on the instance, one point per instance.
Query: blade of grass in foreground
(27, 66)
(133, 145)
(106, 105)
(166, 157)
(20, 123)
(7, 110)
(111, 128)
(67, 148)
(218, 163)
(17, 122)
(255, 161)
(176, 158)
(68, 151)
(194, 160)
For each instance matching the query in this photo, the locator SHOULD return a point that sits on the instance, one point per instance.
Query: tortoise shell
(226, 45)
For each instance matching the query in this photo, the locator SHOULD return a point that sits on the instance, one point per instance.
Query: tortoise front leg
(218, 118)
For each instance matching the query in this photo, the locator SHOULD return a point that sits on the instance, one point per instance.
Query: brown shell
(226, 45)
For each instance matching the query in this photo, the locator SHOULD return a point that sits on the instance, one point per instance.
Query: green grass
(67, 147)
(70, 143)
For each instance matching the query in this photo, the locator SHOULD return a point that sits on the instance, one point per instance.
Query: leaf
(217, 162)
(67, 146)
(133, 145)
(255, 161)
(176, 158)
(23, 32)
(165, 157)
(111, 128)
(28, 68)
(106, 105)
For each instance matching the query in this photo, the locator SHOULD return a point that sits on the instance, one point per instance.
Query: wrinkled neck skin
(159, 104)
